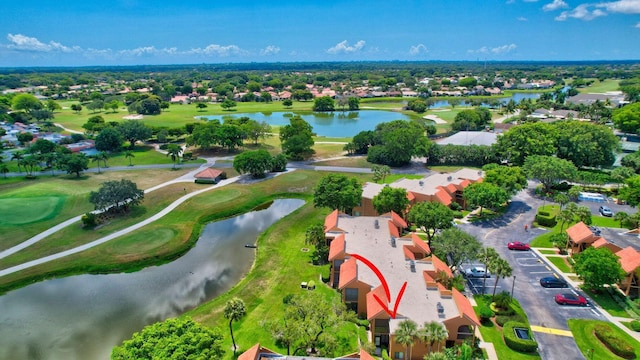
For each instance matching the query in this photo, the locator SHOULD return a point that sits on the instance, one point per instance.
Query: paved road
(537, 301)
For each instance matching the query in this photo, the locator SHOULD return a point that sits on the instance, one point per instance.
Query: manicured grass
(590, 346)
(350, 161)
(560, 263)
(603, 221)
(604, 299)
(491, 333)
(545, 251)
(25, 210)
(601, 86)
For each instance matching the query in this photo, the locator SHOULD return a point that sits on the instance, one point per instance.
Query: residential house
(443, 188)
(580, 237)
(467, 138)
(616, 99)
(412, 281)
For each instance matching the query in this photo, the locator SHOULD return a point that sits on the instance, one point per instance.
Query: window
(350, 295)
(464, 332)
(398, 355)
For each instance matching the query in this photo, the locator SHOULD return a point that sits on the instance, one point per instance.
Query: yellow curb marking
(551, 331)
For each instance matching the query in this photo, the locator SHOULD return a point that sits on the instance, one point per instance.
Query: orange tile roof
(429, 280)
(398, 220)
(464, 306)
(600, 242)
(629, 259)
(373, 307)
(208, 173)
(451, 188)
(443, 197)
(411, 196)
(331, 221)
(251, 354)
(580, 233)
(408, 254)
(337, 247)
(466, 183)
(348, 272)
(439, 265)
(393, 230)
(420, 244)
(365, 355)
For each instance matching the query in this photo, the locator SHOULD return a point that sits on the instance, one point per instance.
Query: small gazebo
(208, 176)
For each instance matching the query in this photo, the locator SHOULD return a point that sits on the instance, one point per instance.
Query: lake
(84, 317)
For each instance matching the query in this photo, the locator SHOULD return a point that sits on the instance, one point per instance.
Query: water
(84, 317)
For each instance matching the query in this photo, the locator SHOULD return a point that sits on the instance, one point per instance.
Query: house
(257, 352)
(443, 188)
(580, 237)
(405, 262)
(208, 176)
(630, 263)
(467, 138)
(616, 99)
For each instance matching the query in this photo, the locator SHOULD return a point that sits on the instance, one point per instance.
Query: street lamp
(513, 285)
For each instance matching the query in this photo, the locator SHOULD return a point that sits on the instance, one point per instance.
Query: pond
(84, 317)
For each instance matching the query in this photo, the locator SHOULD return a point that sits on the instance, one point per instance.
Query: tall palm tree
(96, 158)
(104, 156)
(130, 155)
(18, 156)
(234, 310)
(621, 216)
(487, 256)
(406, 333)
(4, 169)
(433, 333)
(502, 269)
(174, 151)
(565, 216)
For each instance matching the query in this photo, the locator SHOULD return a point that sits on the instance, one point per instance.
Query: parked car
(571, 299)
(605, 211)
(553, 282)
(477, 272)
(517, 245)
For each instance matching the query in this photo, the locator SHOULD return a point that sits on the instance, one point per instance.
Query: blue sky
(132, 32)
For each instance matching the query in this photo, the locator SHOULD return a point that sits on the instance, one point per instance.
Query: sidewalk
(491, 350)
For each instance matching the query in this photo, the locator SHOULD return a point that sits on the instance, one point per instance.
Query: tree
(337, 191)
(42, 114)
(18, 156)
(96, 158)
(561, 199)
(117, 196)
(396, 142)
(75, 163)
(174, 151)
(565, 217)
(296, 139)
(180, 338)
(234, 310)
(523, 141)
(133, 131)
(201, 106)
(94, 124)
(128, 154)
(485, 195)
(287, 103)
(256, 130)
(380, 172)
(227, 104)
(279, 163)
(391, 199)
(315, 236)
(456, 246)
(502, 269)
(622, 173)
(417, 105)
(29, 163)
(323, 103)
(52, 105)
(621, 216)
(631, 192)
(406, 333)
(584, 214)
(626, 118)
(25, 102)
(471, 120)
(430, 216)
(354, 103)
(586, 144)
(24, 138)
(510, 178)
(76, 108)
(549, 170)
(104, 156)
(255, 162)
(487, 256)
(433, 333)
(598, 267)
(109, 139)
(95, 105)
(4, 169)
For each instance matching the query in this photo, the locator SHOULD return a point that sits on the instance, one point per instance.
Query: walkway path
(500, 120)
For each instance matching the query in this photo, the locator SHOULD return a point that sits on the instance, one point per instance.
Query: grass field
(590, 346)
(560, 263)
(601, 86)
(604, 299)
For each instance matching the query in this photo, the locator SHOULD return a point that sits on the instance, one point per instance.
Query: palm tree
(406, 333)
(234, 310)
(502, 269)
(436, 356)
(621, 216)
(18, 156)
(96, 158)
(130, 155)
(174, 151)
(433, 333)
(104, 156)
(487, 256)
(561, 199)
(565, 216)
(4, 169)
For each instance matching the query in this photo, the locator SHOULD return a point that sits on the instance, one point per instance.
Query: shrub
(543, 218)
(514, 342)
(503, 300)
(223, 176)
(455, 206)
(614, 343)
(204, 181)
(385, 355)
(543, 213)
(458, 214)
(485, 313)
(505, 311)
(164, 146)
(187, 156)
(90, 220)
(635, 325)
(503, 319)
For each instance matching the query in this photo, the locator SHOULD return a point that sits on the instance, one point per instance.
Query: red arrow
(385, 286)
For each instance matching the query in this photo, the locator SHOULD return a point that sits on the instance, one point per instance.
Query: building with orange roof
(442, 188)
(400, 259)
(257, 352)
(580, 237)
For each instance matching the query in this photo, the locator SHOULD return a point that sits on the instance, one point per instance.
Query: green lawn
(604, 299)
(560, 263)
(601, 86)
(590, 346)
(547, 252)
(25, 210)
(603, 221)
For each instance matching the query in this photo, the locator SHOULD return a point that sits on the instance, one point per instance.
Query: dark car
(517, 245)
(605, 211)
(571, 299)
(553, 282)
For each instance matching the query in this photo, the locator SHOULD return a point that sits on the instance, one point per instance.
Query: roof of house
(331, 221)
(251, 354)
(439, 265)
(337, 247)
(418, 242)
(629, 259)
(365, 355)
(398, 220)
(465, 307)
(348, 272)
(600, 242)
(470, 138)
(580, 233)
(208, 173)
(373, 307)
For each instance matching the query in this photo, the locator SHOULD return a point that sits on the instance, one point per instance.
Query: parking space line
(540, 272)
(551, 331)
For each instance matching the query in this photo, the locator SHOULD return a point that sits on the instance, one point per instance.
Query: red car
(571, 299)
(517, 245)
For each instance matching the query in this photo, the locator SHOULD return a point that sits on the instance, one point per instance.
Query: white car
(477, 272)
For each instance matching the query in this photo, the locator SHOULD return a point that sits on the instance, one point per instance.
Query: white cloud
(270, 50)
(417, 49)
(522, 18)
(220, 50)
(581, 12)
(343, 47)
(496, 50)
(25, 43)
(621, 6)
(149, 50)
(555, 5)
(638, 25)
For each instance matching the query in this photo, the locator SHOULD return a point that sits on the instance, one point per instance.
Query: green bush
(485, 313)
(635, 325)
(505, 311)
(458, 214)
(90, 220)
(204, 181)
(503, 319)
(385, 355)
(514, 342)
(617, 345)
(164, 146)
(455, 206)
(546, 220)
(543, 213)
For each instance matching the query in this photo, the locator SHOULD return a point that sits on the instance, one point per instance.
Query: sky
(143, 32)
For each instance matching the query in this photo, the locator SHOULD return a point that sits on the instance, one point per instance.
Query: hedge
(503, 319)
(635, 325)
(485, 313)
(514, 342)
(617, 345)
(546, 219)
